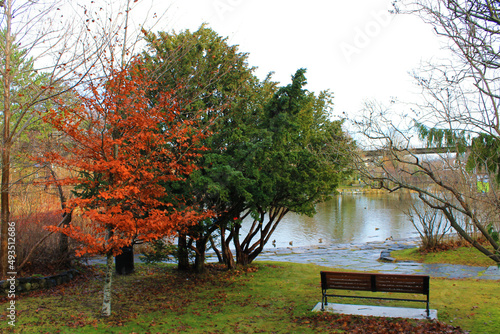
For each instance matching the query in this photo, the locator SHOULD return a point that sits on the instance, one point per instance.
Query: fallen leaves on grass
(371, 325)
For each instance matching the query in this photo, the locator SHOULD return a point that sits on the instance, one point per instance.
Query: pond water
(348, 218)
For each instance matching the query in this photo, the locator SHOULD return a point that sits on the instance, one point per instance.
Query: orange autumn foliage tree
(127, 150)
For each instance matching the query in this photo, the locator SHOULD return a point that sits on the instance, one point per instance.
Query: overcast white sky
(353, 48)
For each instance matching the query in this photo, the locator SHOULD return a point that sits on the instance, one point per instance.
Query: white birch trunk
(106, 301)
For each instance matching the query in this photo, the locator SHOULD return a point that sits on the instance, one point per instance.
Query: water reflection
(348, 218)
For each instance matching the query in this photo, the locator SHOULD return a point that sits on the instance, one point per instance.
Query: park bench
(412, 284)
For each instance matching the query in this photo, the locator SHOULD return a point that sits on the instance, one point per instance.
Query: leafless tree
(458, 122)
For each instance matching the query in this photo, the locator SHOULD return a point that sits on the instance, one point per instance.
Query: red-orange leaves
(129, 149)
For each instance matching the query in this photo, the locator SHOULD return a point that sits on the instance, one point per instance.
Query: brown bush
(453, 242)
(430, 224)
(47, 257)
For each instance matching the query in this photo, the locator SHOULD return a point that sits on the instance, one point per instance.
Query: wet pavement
(374, 256)
(371, 256)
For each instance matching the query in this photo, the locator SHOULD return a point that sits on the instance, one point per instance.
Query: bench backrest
(375, 282)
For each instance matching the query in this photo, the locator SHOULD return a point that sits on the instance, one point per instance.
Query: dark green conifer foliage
(273, 150)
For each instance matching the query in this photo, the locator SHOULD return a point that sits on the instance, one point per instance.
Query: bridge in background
(420, 150)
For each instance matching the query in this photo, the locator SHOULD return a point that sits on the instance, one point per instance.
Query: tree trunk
(242, 258)
(124, 262)
(182, 253)
(106, 301)
(216, 250)
(5, 207)
(227, 255)
(199, 263)
(248, 250)
(63, 238)
(6, 142)
(494, 255)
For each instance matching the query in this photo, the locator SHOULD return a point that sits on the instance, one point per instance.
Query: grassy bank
(468, 256)
(266, 298)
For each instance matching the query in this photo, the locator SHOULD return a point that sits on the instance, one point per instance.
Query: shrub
(158, 251)
(430, 224)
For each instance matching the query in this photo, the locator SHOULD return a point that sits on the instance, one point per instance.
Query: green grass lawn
(469, 256)
(263, 298)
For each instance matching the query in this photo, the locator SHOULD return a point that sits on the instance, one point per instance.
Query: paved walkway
(366, 257)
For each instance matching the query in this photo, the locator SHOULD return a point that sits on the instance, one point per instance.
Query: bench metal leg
(427, 307)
